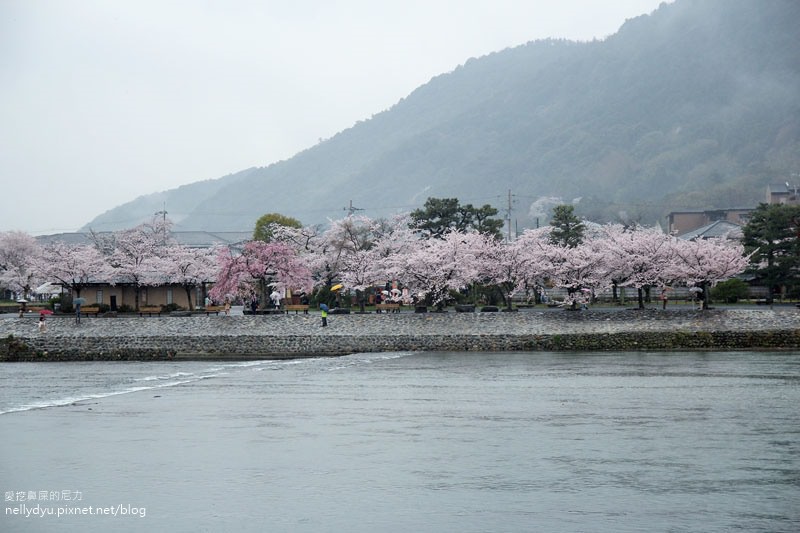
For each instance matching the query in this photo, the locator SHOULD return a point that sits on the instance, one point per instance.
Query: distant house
(782, 193)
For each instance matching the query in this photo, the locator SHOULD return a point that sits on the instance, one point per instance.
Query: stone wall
(235, 347)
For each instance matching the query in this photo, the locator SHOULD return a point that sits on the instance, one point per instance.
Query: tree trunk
(704, 286)
(361, 300)
(641, 297)
(188, 290)
(506, 296)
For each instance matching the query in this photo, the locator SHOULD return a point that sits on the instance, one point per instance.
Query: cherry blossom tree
(393, 238)
(638, 257)
(74, 266)
(705, 262)
(580, 268)
(134, 255)
(188, 267)
(259, 265)
(483, 264)
(518, 265)
(19, 255)
(359, 272)
(303, 240)
(437, 266)
(343, 238)
(373, 266)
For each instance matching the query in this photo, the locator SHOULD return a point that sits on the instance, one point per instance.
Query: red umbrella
(45, 312)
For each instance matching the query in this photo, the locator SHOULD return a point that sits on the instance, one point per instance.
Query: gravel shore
(301, 335)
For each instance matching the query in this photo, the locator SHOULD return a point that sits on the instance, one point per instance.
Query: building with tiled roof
(717, 229)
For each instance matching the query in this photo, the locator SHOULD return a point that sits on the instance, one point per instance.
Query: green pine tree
(567, 229)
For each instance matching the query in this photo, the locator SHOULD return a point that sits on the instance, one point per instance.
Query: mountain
(694, 106)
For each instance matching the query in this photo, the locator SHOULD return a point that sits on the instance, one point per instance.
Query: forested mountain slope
(693, 106)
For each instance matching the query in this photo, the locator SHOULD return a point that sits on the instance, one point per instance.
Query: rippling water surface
(409, 442)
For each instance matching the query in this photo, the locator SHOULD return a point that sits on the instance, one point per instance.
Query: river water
(465, 442)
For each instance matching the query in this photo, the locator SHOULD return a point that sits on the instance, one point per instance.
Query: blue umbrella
(323, 307)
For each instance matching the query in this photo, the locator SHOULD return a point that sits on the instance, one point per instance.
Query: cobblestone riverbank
(299, 335)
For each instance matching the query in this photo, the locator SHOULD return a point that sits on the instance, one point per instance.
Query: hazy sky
(102, 101)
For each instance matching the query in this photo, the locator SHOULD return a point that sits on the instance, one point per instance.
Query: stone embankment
(294, 336)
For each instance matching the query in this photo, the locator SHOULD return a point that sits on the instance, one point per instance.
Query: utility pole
(350, 210)
(163, 213)
(508, 215)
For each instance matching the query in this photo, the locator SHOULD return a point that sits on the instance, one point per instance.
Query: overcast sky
(102, 101)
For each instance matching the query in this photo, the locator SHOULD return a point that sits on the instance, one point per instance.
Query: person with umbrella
(78, 302)
(42, 324)
(324, 311)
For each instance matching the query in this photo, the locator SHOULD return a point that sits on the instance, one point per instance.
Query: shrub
(730, 291)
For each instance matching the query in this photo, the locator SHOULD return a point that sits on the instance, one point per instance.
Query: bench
(393, 308)
(150, 309)
(214, 309)
(296, 308)
(87, 310)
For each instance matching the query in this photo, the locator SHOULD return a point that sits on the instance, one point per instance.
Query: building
(717, 229)
(782, 193)
(681, 222)
(121, 294)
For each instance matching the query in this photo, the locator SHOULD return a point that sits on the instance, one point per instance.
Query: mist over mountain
(694, 106)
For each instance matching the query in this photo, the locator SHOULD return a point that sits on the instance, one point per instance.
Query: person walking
(276, 299)
(324, 312)
(77, 302)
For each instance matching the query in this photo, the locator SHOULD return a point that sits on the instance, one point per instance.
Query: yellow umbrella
(337, 287)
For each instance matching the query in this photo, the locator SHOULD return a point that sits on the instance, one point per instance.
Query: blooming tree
(638, 258)
(437, 266)
(19, 253)
(259, 266)
(705, 262)
(578, 269)
(343, 239)
(361, 253)
(519, 265)
(188, 267)
(74, 266)
(134, 255)
(373, 266)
